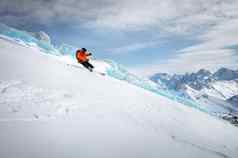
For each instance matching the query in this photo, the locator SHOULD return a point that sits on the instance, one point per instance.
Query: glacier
(26, 39)
(114, 69)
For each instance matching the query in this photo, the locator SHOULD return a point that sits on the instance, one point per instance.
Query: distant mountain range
(218, 90)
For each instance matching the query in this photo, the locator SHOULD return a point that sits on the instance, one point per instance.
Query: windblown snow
(52, 109)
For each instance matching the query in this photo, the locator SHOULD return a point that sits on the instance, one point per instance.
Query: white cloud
(167, 15)
(48, 12)
(211, 53)
(182, 17)
(132, 47)
(192, 62)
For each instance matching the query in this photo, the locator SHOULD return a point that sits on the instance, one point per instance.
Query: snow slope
(50, 109)
(66, 53)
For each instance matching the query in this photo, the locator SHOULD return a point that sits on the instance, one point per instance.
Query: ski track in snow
(220, 154)
(148, 124)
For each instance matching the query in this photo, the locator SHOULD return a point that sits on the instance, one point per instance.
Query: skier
(82, 57)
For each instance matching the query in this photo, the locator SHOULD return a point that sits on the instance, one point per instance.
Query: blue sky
(145, 36)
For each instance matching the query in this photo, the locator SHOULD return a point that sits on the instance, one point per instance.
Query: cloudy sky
(146, 36)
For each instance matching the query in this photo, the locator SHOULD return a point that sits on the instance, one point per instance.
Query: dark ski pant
(87, 65)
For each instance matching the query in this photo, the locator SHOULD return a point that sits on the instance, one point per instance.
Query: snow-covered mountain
(233, 100)
(225, 74)
(41, 36)
(212, 90)
(53, 108)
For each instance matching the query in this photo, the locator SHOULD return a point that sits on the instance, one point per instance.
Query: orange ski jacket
(82, 56)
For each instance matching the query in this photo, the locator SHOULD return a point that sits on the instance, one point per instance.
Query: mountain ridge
(216, 90)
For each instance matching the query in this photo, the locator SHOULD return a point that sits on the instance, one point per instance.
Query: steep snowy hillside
(66, 53)
(51, 109)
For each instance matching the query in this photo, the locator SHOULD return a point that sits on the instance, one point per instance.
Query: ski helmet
(84, 49)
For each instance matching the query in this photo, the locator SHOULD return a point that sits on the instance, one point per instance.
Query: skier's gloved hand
(89, 54)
